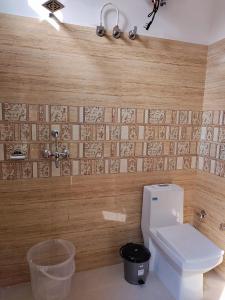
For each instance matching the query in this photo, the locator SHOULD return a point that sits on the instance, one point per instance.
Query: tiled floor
(108, 284)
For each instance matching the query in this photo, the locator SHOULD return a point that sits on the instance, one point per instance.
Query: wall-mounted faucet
(57, 155)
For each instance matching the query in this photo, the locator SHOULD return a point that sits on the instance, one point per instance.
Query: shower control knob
(47, 153)
(100, 31)
(116, 32)
(133, 33)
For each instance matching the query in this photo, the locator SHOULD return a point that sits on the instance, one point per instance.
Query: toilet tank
(162, 206)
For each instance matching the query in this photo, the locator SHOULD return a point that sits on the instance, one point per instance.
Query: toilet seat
(190, 249)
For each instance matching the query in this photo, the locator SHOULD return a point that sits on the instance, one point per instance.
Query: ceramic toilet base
(181, 286)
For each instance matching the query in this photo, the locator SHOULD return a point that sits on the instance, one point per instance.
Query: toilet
(180, 253)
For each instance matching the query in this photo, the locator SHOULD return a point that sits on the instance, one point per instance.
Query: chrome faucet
(57, 155)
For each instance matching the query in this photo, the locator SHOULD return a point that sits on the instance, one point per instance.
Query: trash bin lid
(135, 253)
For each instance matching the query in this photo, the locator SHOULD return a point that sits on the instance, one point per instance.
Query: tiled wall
(100, 140)
(212, 145)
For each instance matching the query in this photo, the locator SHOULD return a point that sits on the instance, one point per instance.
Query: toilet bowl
(180, 253)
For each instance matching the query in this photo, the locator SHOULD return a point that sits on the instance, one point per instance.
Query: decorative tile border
(110, 140)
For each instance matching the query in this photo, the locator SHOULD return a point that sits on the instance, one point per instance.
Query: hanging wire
(152, 13)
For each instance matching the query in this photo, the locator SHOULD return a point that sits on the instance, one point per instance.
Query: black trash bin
(136, 262)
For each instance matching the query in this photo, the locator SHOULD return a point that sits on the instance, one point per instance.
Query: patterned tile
(162, 132)
(133, 132)
(204, 149)
(85, 167)
(154, 149)
(187, 162)
(114, 166)
(6, 132)
(174, 133)
(94, 114)
(186, 133)
(10, 171)
(173, 148)
(157, 116)
(172, 163)
(207, 118)
(100, 132)
(114, 149)
(148, 164)
(196, 118)
(43, 132)
(128, 115)
(59, 113)
(209, 133)
(220, 168)
(183, 148)
(87, 132)
(174, 117)
(66, 132)
(25, 132)
(206, 165)
(222, 152)
(66, 167)
(150, 133)
(132, 165)
(183, 117)
(44, 169)
(14, 112)
(127, 149)
(93, 150)
(196, 133)
(222, 134)
(115, 132)
(26, 170)
(99, 167)
(159, 164)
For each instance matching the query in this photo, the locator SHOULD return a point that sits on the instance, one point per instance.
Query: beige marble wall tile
(14, 112)
(7, 132)
(33, 113)
(73, 114)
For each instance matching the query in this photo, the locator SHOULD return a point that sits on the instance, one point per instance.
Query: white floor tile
(108, 284)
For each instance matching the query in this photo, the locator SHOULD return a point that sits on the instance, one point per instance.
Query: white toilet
(180, 253)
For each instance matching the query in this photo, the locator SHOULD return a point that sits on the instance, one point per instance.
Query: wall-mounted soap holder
(57, 155)
(17, 155)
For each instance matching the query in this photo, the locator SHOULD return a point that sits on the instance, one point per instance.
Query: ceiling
(196, 21)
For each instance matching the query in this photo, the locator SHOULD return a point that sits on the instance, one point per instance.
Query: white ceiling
(197, 21)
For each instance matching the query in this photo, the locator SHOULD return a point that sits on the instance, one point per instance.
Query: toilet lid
(188, 243)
